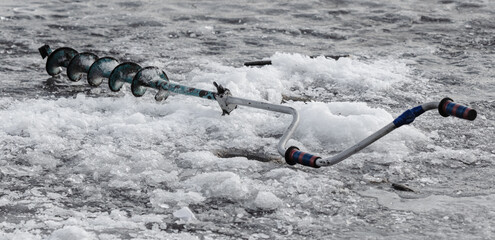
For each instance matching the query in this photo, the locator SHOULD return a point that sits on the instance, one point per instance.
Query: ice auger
(141, 78)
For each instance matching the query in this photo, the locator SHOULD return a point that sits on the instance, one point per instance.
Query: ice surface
(430, 203)
(219, 185)
(164, 154)
(342, 73)
(164, 199)
(267, 201)
(185, 214)
(79, 162)
(70, 232)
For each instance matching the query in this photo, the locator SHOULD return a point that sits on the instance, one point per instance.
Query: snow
(219, 185)
(267, 201)
(164, 199)
(344, 73)
(70, 232)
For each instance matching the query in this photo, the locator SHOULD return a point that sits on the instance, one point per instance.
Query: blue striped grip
(293, 156)
(448, 108)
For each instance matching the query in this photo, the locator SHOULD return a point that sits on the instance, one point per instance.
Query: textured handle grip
(448, 108)
(293, 156)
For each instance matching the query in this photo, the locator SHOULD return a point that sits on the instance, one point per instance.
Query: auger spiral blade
(150, 77)
(101, 70)
(59, 58)
(123, 73)
(80, 65)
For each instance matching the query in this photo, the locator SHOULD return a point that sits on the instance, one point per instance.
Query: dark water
(63, 164)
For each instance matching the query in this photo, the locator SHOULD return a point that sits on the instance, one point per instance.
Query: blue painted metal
(123, 73)
(80, 65)
(408, 116)
(459, 111)
(59, 58)
(100, 70)
(176, 88)
(147, 77)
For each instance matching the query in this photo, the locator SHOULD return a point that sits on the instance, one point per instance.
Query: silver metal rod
(430, 106)
(357, 147)
(367, 141)
(274, 108)
(281, 147)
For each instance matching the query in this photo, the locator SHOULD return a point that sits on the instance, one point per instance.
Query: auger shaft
(180, 89)
(370, 139)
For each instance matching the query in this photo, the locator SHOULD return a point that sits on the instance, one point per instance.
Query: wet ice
(87, 163)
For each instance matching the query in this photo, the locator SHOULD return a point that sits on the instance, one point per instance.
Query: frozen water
(430, 203)
(185, 214)
(70, 232)
(85, 163)
(267, 201)
(163, 199)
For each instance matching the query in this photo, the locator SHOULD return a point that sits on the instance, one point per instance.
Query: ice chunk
(267, 201)
(164, 199)
(219, 184)
(258, 236)
(373, 179)
(70, 232)
(279, 173)
(345, 72)
(338, 124)
(185, 214)
(19, 235)
(4, 201)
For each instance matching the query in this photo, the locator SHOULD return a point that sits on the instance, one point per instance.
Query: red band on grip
(448, 108)
(293, 156)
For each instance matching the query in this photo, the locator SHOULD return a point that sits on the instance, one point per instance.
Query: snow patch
(267, 201)
(72, 233)
(165, 199)
(344, 72)
(219, 185)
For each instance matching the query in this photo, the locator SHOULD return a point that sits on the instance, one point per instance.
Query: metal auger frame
(99, 69)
